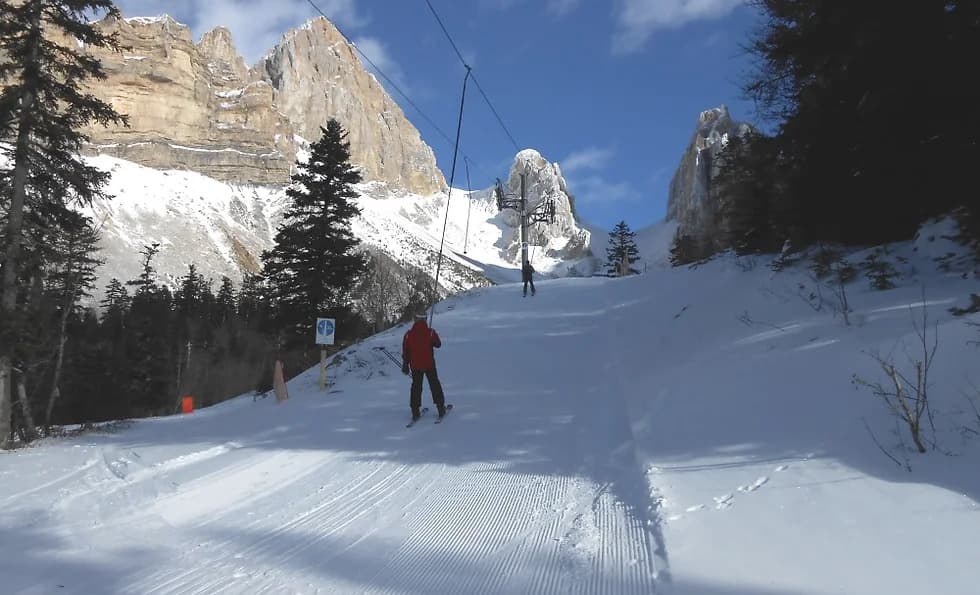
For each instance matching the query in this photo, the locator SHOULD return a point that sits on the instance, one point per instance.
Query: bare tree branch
(882, 448)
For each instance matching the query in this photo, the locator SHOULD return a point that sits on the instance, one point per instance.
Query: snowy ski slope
(684, 431)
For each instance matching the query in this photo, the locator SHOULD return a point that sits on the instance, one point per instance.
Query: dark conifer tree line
(876, 126)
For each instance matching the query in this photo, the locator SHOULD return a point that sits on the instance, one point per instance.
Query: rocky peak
(563, 239)
(223, 59)
(316, 75)
(689, 200)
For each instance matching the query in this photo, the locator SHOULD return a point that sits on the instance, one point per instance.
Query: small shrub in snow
(880, 272)
(823, 261)
(973, 308)
(841, 272)
(906, 394)
(787, 258)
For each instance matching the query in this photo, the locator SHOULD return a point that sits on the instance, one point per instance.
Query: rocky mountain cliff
(564, 239)
(689, 202)
(197, 106)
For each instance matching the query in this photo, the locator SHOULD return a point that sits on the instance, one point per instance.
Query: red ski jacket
(418, 344)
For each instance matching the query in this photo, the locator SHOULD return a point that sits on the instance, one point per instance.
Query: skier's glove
(405, 369)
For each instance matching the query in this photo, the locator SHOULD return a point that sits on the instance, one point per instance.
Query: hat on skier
(420, 315)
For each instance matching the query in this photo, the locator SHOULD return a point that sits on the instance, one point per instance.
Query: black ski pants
(434, 385)
(526, 281)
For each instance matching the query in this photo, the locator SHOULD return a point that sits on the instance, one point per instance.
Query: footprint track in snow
(724, 501)
(755, 485)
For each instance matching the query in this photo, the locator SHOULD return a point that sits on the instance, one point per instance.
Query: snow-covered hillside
(223, 228)
(687, 431)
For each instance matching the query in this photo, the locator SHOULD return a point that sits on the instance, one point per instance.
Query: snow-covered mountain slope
(687, 431)
(223, 228)
(654, 243)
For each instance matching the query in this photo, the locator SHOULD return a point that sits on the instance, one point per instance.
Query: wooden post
(323, 369)
(279, 383)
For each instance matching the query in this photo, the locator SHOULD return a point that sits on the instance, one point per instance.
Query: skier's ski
(449, 408)
(421, 413)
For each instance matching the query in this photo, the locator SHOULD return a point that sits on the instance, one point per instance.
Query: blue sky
(610, 90)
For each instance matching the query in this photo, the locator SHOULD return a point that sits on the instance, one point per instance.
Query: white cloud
(555, 7)
(562, 7)
(590, 158)
(595, 189)
(638, 20)
(255, 25)
(582, 172)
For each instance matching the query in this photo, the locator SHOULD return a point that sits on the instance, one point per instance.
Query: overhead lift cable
(473, 76)
(452, 177)
(459, 123)
(388, 80)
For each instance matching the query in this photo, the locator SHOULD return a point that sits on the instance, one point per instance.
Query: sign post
(325, 331)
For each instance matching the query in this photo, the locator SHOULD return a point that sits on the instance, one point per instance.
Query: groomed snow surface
(690, 431)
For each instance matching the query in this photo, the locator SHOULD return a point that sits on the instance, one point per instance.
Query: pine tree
(251, 306)
(622, 252)
(148, 375)
(193, 309)
(867, 115)
(313, 267)
(684, 250)
(42, 109)
(381, 292)
(752, 217)
(72, 278)
(224, 302)
(115, 306)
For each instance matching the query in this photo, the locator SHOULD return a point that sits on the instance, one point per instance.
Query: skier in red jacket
(417, 354)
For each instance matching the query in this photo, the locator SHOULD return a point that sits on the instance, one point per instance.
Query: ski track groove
(198, 487)
(206, 567)
(405, 562)
(543, 534)
(527, 499)
(92, 462)
(258, 549)
(334, 521)
(487, 549)
(553, 581)
(117, 482)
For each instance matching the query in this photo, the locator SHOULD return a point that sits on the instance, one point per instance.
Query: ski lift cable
(475, 81)
(452, 177)
(389, 81)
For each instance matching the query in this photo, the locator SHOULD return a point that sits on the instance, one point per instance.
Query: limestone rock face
(563, 239)
(199, 107)
(189, 106)
(689, 202)
(317, 75)
(224, 63)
